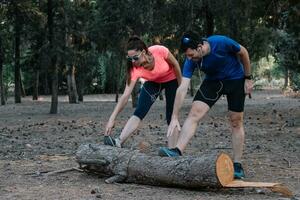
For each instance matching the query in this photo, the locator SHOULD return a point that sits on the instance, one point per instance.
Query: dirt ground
(34, 142)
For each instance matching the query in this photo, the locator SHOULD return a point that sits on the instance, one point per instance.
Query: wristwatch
(249, 77)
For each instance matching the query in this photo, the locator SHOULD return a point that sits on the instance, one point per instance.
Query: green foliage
(91, 35)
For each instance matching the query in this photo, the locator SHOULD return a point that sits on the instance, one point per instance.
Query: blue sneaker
(238, 171)
(167, 152)
(112, 142)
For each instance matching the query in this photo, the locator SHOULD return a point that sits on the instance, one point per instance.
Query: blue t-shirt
(222, 63)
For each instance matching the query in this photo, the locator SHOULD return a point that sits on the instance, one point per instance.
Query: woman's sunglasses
(134, 58)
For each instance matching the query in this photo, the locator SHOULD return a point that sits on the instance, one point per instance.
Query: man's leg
(198, 110)
(238, 134)
(236, 100)
(207, 95)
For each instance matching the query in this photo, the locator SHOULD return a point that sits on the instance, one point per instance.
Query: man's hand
(109, 126)
(174, 124)
(248, 86)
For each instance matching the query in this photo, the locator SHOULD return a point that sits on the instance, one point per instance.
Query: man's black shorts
(211, 90)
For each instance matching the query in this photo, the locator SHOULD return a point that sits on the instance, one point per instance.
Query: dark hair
(134, 43)
(190, 39)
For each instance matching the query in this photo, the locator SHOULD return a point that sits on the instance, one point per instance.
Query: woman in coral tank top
(161, 70)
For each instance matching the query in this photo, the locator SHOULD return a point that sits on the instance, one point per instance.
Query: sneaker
(112, 142)
(167, 152)
(238, 171)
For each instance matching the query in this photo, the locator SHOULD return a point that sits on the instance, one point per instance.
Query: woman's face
(136, 57)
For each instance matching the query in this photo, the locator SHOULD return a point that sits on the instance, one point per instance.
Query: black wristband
(250, 77)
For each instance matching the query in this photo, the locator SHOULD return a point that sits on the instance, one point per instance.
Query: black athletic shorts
(210, 91)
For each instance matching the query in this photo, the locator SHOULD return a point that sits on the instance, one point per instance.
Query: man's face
(194, 54)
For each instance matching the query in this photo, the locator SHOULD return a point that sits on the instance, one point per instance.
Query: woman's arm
(172, 60)
(119, 107)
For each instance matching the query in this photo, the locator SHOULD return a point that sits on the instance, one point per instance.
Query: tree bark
(135, 94)
(80, 89)
(123, 165)
(36, 85)
(2, 92)
(17, 55)
(209, 19)
(23, 92)
(53, 67)
(233, 28)
(72, 90)
(192, 88)
(287, 81)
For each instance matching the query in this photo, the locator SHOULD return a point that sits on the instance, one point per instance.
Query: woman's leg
(149, 93)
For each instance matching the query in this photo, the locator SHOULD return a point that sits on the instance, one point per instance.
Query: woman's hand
(109, 126)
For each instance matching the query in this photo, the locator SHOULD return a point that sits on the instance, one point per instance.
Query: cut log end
(224, 169)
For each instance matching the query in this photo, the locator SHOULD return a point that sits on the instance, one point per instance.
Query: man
(226, 65)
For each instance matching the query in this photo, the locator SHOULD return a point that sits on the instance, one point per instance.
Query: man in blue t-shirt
(226, 65)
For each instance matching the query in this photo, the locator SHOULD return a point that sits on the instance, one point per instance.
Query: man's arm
(244, 55)
(180, 95)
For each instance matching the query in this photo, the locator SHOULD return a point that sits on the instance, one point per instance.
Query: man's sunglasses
(134, 58)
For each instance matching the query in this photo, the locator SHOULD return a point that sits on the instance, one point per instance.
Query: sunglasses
(134, 58)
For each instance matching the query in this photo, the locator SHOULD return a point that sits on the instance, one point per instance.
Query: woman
(161, 70)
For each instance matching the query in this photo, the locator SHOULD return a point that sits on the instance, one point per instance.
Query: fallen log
(123, 165)
(135, 167)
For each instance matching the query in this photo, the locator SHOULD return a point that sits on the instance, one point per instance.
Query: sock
(177, 150)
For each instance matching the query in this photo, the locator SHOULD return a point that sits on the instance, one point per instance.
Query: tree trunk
(2, 91)
(118, 79)
(36, 85)
(23, 92)
(135, 94)
(286, 78)
(233, 28)
(54, 88)
(209, 20)
(214, 170)
(80, 90)
(46, 83)
(53, 67)
(72, 90)
(17, 56)
(192, 88)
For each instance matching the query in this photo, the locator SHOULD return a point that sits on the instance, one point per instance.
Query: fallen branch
(289, 163)
(284, 125)
(49, 173)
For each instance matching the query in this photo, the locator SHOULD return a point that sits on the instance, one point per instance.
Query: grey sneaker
(115, 142)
